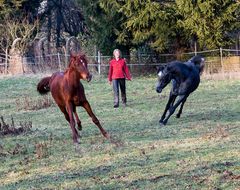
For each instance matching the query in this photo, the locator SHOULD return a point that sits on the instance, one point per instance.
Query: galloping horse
(185, 79)
(68, 92)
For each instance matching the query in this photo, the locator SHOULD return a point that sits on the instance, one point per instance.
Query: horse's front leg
(77, 118)
(172, 109)
(170, 102)
(75, 134)
(95, 120)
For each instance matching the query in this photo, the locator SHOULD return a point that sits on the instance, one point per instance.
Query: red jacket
(118, 70)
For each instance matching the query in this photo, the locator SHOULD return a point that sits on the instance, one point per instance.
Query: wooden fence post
(6, 63)
(221, 58)
(59, 62)
(99, 62)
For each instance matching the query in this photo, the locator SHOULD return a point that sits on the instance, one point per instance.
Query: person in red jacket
(118, 72)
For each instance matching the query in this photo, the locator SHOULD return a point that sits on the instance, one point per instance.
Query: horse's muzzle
(159, 90)
(89, 77)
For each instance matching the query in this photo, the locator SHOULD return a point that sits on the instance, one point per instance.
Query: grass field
(201, 150)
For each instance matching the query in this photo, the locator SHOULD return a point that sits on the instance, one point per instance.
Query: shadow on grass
(196, 178)
(110, 177)
(58, 178)
(223, 115)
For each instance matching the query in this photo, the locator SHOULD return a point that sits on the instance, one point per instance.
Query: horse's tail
(202, 65)
(43, 86)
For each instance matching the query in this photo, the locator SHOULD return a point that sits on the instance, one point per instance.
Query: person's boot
(116, 102)
(116, 105)
(124, 100)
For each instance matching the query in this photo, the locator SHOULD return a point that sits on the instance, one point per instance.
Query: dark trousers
(122, 84)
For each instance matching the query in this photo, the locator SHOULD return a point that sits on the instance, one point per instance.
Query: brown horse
(68, 92)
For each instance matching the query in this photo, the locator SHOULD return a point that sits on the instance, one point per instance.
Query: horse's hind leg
(77, 118)
(63, 109)
(95, 120)
(170, 103)
(173, 108)
(69, 111)
(180, 110)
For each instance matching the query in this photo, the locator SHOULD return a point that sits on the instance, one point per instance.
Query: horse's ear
(160, 68)
(82, 55)
(73, 54)
(202, 65)
(197, 59)
(72, 58)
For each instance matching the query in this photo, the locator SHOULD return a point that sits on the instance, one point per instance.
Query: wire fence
(217, 61)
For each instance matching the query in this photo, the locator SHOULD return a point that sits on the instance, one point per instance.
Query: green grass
(198, 151)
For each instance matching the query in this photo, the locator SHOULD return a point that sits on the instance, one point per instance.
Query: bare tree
(61, 19)
(15, 36)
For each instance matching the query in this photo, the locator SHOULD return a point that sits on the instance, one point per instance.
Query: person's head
(117, 53)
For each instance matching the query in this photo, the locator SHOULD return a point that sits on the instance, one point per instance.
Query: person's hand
(110, 82)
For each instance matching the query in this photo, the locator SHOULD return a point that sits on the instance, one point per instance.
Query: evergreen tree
(211, 22)
(172, 25)
(148, 22)
(104, 26)
(20, 9)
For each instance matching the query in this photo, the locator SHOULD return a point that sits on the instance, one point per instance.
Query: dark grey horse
(185, 77)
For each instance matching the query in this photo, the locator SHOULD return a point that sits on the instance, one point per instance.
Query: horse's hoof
(78, 148)
(177, 116)
(162, 123)
(79, 126)
(76, 141)
(107, 136)
(80, 134)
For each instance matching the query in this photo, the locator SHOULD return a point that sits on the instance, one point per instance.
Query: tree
(14, 40)
(15, 24)
(61, 18)
(211, 23)
(13, 29)
(104, 26)
(170, 25)
(9, 7)
(19, 9)
(58, 19)
(148, 22)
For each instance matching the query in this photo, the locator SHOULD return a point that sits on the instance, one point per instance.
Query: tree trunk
(59, 23)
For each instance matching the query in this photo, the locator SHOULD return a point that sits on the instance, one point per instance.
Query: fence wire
(217, 61)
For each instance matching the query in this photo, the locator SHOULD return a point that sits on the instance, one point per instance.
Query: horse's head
(199, 62)
(164, 77)
(80, 64)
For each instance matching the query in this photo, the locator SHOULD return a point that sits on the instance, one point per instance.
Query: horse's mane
(178, 67)
(197, 62)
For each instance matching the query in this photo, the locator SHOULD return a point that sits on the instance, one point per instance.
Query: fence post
(195, 48)
(22, 60)
(221, 58)
(59, 62)
(6, 62)
(66, 58)
(99, 62)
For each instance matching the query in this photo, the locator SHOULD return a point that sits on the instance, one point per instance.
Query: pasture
(201, 150)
